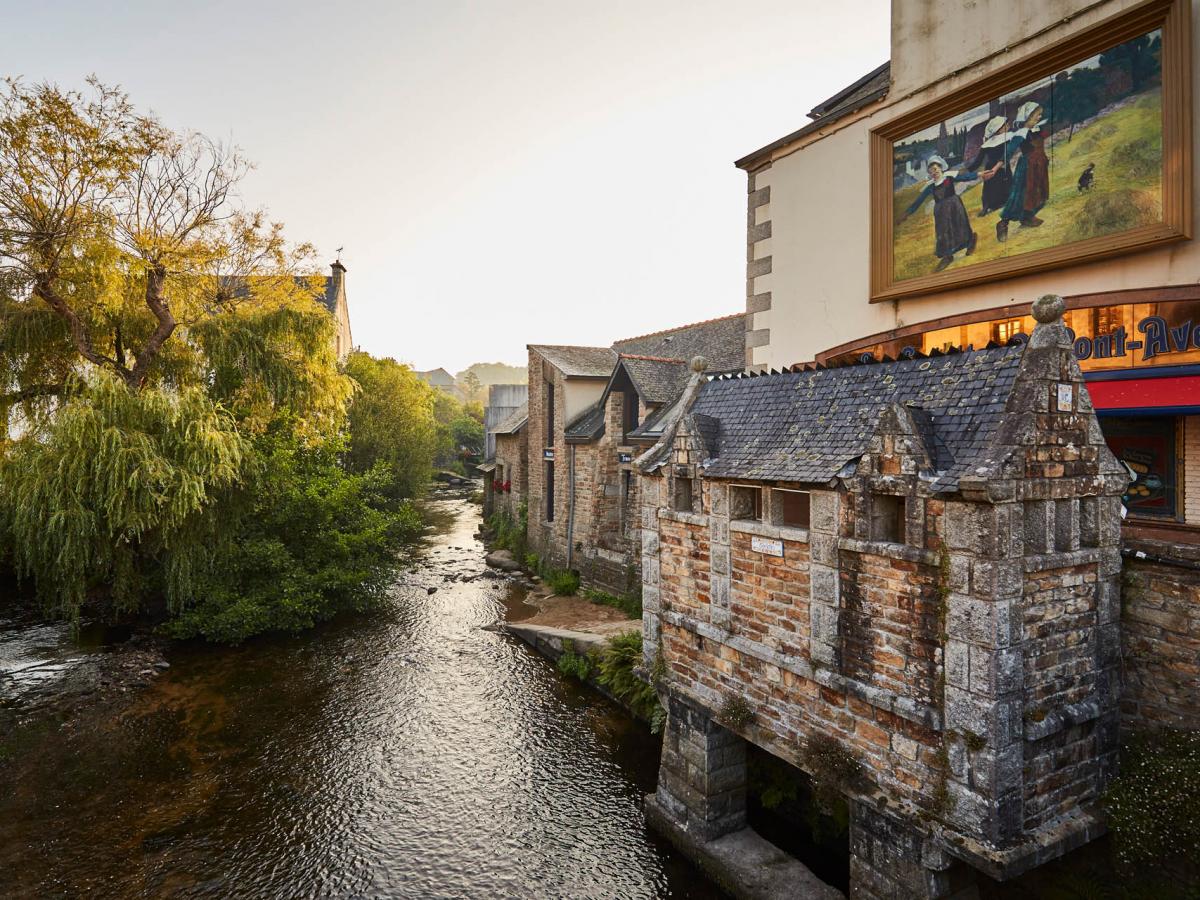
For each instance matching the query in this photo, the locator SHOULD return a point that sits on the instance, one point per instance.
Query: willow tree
(148, 329)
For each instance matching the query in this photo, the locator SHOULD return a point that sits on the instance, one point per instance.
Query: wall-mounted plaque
(766, 546)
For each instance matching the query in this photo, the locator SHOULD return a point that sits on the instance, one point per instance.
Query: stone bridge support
(889, 860)
(702, 778)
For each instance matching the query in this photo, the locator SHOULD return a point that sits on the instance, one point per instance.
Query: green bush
(1154, 804)
(574, 664)
(564, 583)
(631, 604)
(617, 661)
(310, 540)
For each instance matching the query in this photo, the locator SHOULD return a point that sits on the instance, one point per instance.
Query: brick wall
(512, 453)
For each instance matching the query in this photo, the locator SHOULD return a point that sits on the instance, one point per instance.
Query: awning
(1174, 395)
(486, 467)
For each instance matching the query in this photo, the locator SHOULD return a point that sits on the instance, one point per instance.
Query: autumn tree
(150, 333)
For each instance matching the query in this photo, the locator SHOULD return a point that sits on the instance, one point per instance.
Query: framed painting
(1078, 152)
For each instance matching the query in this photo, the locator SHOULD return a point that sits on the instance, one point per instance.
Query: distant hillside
(495, 373)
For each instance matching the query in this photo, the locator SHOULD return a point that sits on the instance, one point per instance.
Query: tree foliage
(392, 422)
(175, 414)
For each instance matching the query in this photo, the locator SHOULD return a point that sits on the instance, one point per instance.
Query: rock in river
(502, 559)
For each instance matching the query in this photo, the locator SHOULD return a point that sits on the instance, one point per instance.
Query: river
(404, 753)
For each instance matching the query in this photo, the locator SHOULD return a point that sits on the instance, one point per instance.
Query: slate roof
(657, 380)
(806, 426)
(721, 341)
(588, 425)
(871, 87)
(578, 362)
(514, 421)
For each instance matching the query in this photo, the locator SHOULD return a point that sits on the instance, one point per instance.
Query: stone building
(506, 472)
(502, 401)
(815, 293)
(333, 298)
(589, 411)
(901, 577)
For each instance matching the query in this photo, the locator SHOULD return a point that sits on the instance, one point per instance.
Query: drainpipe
(571, 509)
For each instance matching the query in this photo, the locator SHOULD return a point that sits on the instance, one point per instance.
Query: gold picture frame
(1175, 224)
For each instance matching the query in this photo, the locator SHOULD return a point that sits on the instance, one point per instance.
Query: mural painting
(1072, 156)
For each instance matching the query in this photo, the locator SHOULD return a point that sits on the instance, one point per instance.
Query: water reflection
(405, 754)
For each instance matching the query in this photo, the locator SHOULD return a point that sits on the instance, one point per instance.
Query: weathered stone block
(958, 664)
(823, 511)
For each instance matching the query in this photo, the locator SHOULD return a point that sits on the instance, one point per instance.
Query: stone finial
(699, 364)
(1048, 308)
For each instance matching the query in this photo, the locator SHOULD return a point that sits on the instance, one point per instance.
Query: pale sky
(500, 173)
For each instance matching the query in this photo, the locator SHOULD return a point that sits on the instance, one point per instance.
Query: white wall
(819, 203)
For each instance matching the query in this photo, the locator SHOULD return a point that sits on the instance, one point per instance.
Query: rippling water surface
(409, 753)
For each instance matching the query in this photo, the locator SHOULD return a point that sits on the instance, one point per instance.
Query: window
(887, 519)
(549, 490)
(1003, 331)
(1147, 445)
(629, 412)
(789, 508)
(745, 503)
(681, 499)
(549, 413)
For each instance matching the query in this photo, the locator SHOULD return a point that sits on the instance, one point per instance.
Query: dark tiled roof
(721, 341)
(871, 87)
(578, 362)
(657, 380)
(588, 425)
(514, 422)
(806, 426)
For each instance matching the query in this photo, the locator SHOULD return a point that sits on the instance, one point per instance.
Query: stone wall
(512, 452)
(1160, 638)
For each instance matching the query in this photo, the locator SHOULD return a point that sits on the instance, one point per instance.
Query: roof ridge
(638, 337)
(568, 347)
(667, 359)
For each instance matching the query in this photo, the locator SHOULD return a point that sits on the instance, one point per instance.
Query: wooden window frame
(759, 505)
(776, 510)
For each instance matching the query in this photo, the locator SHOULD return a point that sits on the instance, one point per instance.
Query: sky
(499, 173)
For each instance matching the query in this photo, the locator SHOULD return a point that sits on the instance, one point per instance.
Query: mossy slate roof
(806, 426)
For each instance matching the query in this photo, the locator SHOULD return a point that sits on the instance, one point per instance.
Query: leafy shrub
(631, 604)
(1154, 804)
(617, 662)
(574, 664)
(562, 582)
(310, 540)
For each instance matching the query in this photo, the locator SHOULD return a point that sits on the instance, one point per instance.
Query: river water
(406, 753)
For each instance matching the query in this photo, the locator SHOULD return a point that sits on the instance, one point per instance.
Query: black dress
(997, 188)
(951, 226)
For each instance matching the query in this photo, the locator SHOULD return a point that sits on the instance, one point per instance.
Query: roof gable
(577, 362)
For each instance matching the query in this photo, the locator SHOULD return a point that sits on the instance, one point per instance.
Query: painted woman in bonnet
(951, 226)
(991, 162)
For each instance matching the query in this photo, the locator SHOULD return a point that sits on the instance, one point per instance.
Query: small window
(745, 503)
(549, 413)
(629, 413)
(682, 499)
(549, 491)
(887, 519)
(789, 508)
